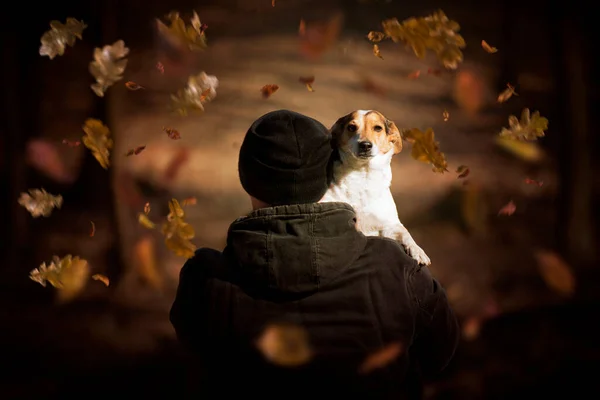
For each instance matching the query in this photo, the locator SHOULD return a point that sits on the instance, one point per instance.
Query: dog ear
(338, 129)
(394, 135)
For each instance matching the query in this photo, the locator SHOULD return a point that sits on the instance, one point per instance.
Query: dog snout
(365, 146)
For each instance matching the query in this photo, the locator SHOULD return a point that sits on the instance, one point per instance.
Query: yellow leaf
(40, 203)
(200, 90)
(529, 127)
(527, 151)
(377, 52)
(285, 345)
(177, 232)
(426, 149)
(146, 263)
(145, 221)
(376, 37)
(68, 274)
(381, 358)
(555, 272)
(488, 48)
(178, 33)
(507, 93)
(108, 66)
(101, 278)
(97, 139)
(55, 40)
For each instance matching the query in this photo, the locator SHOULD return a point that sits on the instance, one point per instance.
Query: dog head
(366, 134)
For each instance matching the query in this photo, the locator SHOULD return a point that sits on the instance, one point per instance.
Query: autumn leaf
(97, 139)
(108, 66)
(191, 36)
(145, 221)
(528, 151)
(462, 171)
(133, 86)
(200, 89)
(172, 133)
(446, 115)
(101, 278)
(93, 231)
(317, 37)
(71, 143)
(177, 232)
(555, 272)
(530, 127)
(381, 358)
(190, 201)
(268, 90)
(40, 203)
(471, 328)
(507, 93)
(509, 209)
(376, 37)
(488, 48)
(147, 208)
(285, 345)
(370, 86)
(55, 40)
(533, 182)
(414, 74)
(68, 274)
(426, 149)
(376, 51)
(436, 32)
(435, 72)
(308, 81)
(160, 67)
(135, 151)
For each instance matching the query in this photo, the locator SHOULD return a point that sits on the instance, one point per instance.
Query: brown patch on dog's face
(366, 126)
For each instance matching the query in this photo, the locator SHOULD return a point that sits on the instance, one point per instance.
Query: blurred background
(525, 286)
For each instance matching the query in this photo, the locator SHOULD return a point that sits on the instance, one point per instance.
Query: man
(296, 262)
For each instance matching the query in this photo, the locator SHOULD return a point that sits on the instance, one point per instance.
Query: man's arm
(437, 332)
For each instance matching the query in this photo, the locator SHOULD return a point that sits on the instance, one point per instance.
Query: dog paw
(417, 254)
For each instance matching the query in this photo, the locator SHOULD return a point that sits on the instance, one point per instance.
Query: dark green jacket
(306, 264)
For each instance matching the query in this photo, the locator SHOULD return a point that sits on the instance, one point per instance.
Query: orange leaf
(488, 48)
(268, 90)
(133, 86)
(93, 231)
(509, 209)
(381, 358)
(555, 272)
(101, 278)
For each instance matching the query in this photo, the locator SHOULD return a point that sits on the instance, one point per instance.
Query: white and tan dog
(365, 142)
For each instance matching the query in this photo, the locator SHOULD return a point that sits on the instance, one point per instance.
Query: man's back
(307, 265)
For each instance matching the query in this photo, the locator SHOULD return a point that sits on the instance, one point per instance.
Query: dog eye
(351, 128)
(377, 128)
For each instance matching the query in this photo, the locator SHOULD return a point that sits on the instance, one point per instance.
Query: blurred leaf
(97, 139)
(530, 127)
(59, 36)
(555, 272)
(376, 37)
(463, 171)
(381, 358)
(108, 66)
(172, 133)
(135, 151)
(146, 263)
(474, 209)
(308, 81)
(145, 221)
(527, 151)
(268, 90)
(316, 38)
(377, 52)
(160, 67)
(507, 93)
(533, 182)
(488, 48)
(426, 149)
(101, 278)
(177, 232)
(93, 231)
(40, 203)
(471, 328)
(414, 74)
(68, 274)
(133, 86)
(285, 345)
(509, 209)
(147, 208)
(200, 89)
(190, 201)
(178, 33)
(71, 143)
(446, 115)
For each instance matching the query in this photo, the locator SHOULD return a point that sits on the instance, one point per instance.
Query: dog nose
(365, 146)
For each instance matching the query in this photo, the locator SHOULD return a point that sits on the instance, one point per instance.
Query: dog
(364, 143)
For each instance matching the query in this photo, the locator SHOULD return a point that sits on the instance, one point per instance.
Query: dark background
(118, 339)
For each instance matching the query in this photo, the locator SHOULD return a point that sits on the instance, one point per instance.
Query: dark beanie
(284, 157)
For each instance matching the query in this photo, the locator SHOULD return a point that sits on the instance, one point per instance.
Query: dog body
(365, 142)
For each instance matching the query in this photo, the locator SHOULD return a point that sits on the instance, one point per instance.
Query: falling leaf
(108, 66)
(68, 274)
(175, 164)
(71, 143)
(528, 151)
(381, 358)
(285, 345)
(268, 90)
(530, 127)
(488, 48)
(534, 182)
(177, 232)
(190, 201)
(308, 81)
(40, 203)
(97, 139)
(133, 86)
(426, 149)
(191, 36)
(93, 231)
(436, 72)
(376, 51)
(414, 74)
(101, 278)
(200, 89)
(147, 208)
(316, 38)
(55, 40)
(556, 272)
(146, 263)
(446, 115)
(145, 221)
(462, 171)
(507, 93)
(302, 28)
(160, 67)
(375, 37)
(272, 3)
(471, 328)
(135, 151)
(434, 32)
(509, 209)
(371, 87)
(172, 133)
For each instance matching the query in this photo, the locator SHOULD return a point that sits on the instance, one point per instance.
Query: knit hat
(284, 157)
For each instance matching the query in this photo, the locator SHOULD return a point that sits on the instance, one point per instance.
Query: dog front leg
(399, 233)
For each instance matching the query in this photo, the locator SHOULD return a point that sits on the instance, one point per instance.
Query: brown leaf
(285, 345)
(414, 74)
(98, 140)
(160, 67)
(147, 208)
(101, 278)
(376, 51)
(381, 358)
(182, 35)
(507, 93)
(426, 149)
(471, 328)
(71, 143)
(190, 201)
(370, 86)
(533, 182)
(555, 272)
(268, 90)
(462, 171)
(509, 209)
(308, 81)
(436, 72)
(135, 151)
(446, 115)
(272, 3)
(488, 48)
(172, 133)
(376, 37)
(302, 28)
(133, 86)
(93, 231)
(316, 38)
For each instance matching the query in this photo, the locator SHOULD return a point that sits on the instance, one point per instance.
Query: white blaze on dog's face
(366, 134)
